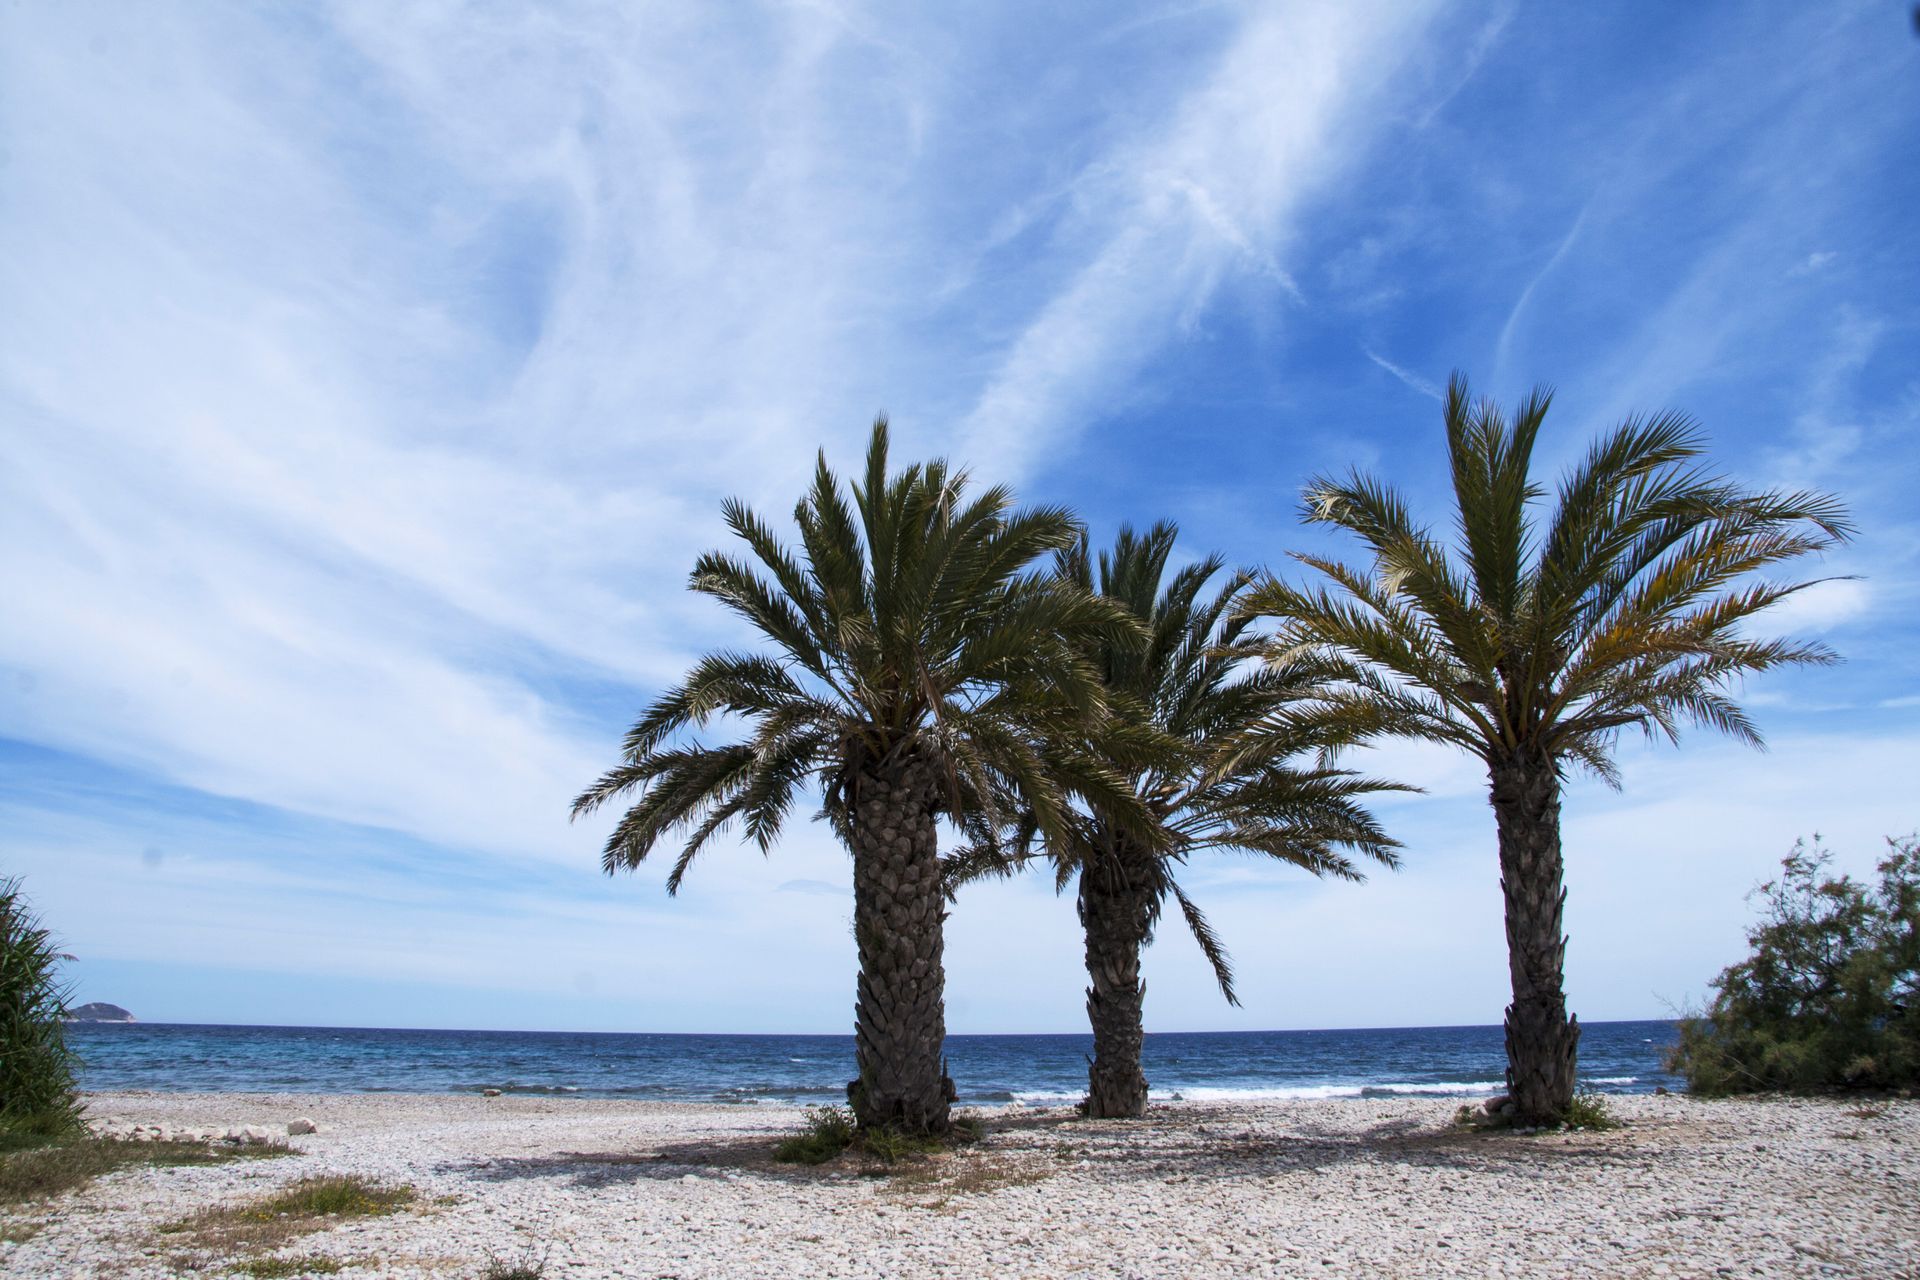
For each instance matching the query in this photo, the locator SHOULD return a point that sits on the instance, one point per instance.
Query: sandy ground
(1378, 1188)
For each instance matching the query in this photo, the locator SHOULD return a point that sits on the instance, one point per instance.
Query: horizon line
(819, 1035)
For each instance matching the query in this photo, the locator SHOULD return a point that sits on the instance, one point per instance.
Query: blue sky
(370, 378)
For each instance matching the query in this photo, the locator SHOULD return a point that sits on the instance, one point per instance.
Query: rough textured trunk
(1542, 1041)
(1116, 911)
(900, 1020)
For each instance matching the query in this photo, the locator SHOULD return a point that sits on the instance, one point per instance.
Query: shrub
(1589, 1111)
(829, 1131)
(1830, 996)
(37, 1095)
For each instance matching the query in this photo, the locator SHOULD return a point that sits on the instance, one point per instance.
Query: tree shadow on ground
(1183, 1144)
(1169, 1144)
(731, 1157)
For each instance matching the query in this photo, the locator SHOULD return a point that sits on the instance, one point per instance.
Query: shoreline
(642, 1188)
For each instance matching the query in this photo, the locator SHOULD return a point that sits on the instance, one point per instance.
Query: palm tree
(916, 670)
(1209, 759)
(1539, 635)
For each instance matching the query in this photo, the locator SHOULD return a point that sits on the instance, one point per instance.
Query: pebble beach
(587, 1188)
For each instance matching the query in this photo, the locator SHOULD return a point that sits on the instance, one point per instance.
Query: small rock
(302, 1125)
(1492, 1106)
(489, 1093)
(255, 1136)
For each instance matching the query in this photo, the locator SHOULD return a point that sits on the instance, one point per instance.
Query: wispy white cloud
(1208, 193)
(1814, 262)
(1425, 386)
(1503, 348)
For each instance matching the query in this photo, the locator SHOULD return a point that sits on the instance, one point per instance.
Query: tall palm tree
(1538, 635)
(915, 670)
(1220, 757)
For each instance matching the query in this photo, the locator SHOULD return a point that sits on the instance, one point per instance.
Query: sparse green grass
(828, 1132)
(34, 1169)
(309, 1264)
(831, 1130)
(969, 1126)
(1589, 1112)
(311, 1204)
(936, 1184)
(19, 1232)
(890, 1146)
(334, 1197)
(525, 1269)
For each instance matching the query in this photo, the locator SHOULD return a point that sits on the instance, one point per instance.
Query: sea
(1615, 1057)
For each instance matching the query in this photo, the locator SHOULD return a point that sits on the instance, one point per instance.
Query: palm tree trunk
(1542, 1041)
(900, 1021)
(1116, 911)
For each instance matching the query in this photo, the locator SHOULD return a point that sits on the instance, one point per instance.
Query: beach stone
(302, 1125)
(489, 1093)
(1270, 1189)
(1496, 1105)
(254, 1135)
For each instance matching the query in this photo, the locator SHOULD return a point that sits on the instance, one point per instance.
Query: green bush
(1830, 996)
(37, 1095)
(829, 1131)
(1590, 1111)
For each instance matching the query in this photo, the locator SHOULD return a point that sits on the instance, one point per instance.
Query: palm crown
(1624, 607)
(908, 626)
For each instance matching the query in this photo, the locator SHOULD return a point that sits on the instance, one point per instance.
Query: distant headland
(98, 1012)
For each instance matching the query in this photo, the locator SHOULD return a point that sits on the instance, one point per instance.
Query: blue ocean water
(1616, 1057)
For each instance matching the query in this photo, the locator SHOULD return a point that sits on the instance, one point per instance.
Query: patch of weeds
(280, 1268)
(828, 1132)
(890, 1146)
(335, 1197)
(831, 1130)
(969, 1126)
(311, 1204)
(1867, 1112)
(14, 1138)
(935, 1184)
(19, 1232)
(49, 1168)
(527, 1268)
(1590, 1111)
(1587, 1111)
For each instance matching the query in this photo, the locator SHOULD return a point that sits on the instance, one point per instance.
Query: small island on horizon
(100, 1011)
